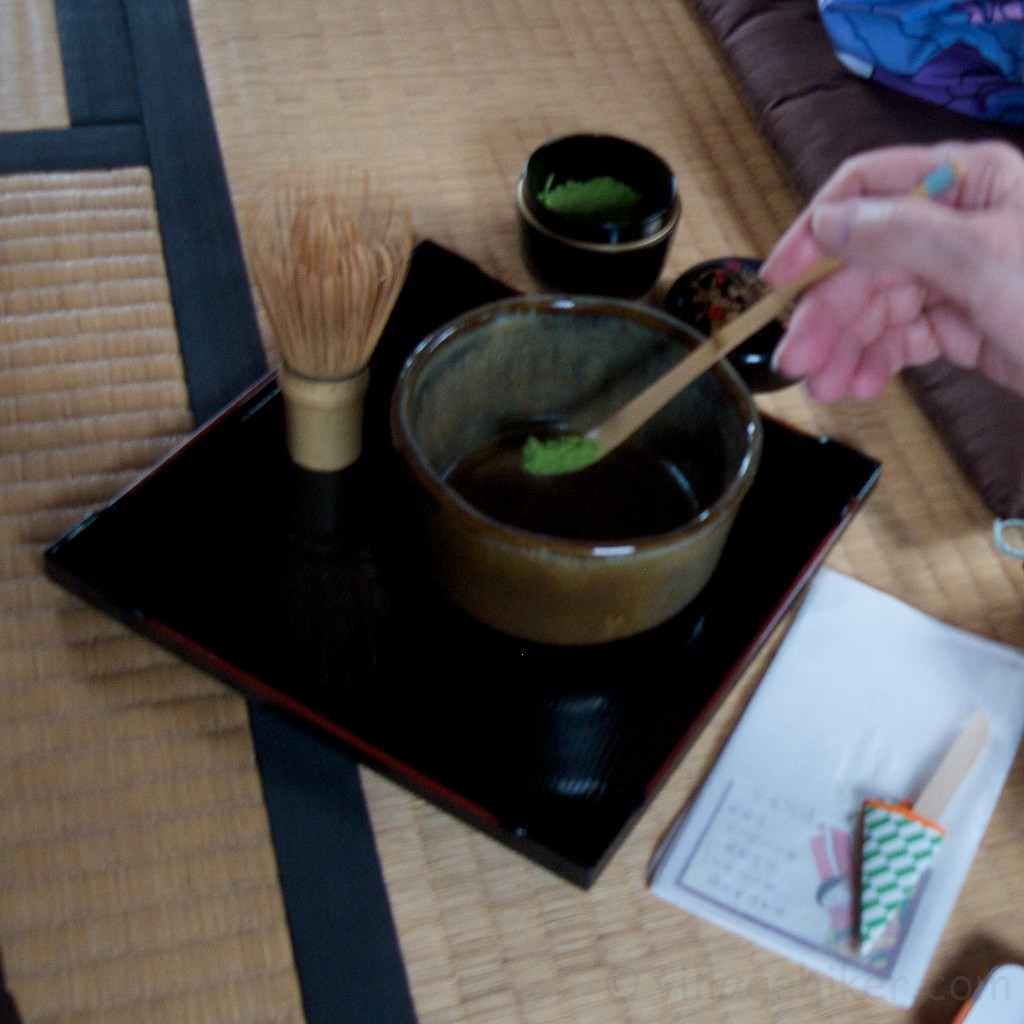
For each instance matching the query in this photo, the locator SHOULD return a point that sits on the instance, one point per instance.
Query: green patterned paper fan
(898, 846)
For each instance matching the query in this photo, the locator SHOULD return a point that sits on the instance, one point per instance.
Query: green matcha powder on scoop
(603, 196)
(566, 454)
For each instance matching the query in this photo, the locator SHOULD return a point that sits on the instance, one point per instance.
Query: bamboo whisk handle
(323, 418)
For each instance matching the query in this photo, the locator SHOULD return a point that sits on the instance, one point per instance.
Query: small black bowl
(711, 293)
(597, 214)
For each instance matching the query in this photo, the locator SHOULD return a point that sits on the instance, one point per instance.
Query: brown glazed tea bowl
(629, 542)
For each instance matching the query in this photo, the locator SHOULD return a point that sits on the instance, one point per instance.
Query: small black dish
(711, 293)
(597, 214)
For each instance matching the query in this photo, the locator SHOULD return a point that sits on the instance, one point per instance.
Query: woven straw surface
(137, 880)
(32, 83)
(136, 872)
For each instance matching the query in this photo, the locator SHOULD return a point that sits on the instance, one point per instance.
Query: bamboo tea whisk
(329, 255)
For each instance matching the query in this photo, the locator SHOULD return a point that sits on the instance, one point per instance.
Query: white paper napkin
(863, 699)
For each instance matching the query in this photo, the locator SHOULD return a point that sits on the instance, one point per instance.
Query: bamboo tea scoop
(568, 453)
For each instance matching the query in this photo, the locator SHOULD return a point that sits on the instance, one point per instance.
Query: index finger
(892, 171)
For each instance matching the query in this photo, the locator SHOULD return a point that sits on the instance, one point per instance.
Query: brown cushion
(984, 427)
(816, 113)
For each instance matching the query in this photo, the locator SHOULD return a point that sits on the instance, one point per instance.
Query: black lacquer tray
(308, 592)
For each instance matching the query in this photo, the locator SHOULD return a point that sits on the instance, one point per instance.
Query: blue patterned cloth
(966, 56)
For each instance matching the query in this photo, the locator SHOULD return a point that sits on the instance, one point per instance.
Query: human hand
(921, 279)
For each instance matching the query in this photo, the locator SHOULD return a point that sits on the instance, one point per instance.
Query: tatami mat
(136, 877)
(32, 81)
(136, 873)
(446, 100)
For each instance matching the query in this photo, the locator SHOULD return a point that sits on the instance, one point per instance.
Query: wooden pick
(942, 786)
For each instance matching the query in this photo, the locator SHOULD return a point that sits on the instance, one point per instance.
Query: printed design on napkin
(898, 846)
(832, 849)
(772, 858)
